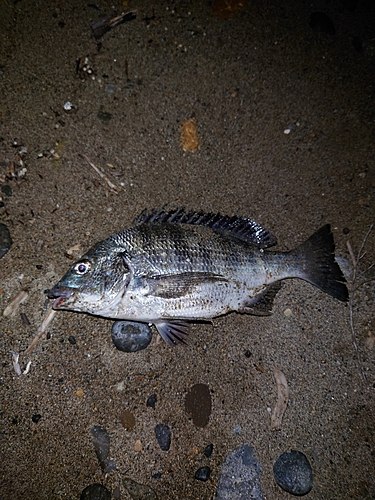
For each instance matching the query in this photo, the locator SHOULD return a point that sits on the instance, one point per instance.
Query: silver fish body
(175, 267)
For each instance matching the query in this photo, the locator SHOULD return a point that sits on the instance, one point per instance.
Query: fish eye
(82, 267)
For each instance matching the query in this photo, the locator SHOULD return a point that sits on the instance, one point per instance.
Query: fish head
(94, 283)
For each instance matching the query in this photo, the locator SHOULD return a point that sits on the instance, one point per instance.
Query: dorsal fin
(237, 227)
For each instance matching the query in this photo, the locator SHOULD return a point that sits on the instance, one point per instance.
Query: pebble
(5, 240)
(321, 23)
(207, 452)
(151, 401)
(198, 404)
(101, 442)
(240, 476)
(203, 473)
(127, 420)
(163, 436)
(35, 418)
(72, 340)
(95, 492)
(293, 473)
(139, 491)
(129, 336)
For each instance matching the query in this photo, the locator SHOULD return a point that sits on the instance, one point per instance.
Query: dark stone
(203, 473)
(198, 404)
(321, 23)
(151, 401)
(129, 336)
(95, 492)
(101, 442)
(240, 476)
(5, 240)
(72, 340)
(208, 450)
(6, 189)
(163, 436)
(346, 230)
(35, 418)
(293, 473)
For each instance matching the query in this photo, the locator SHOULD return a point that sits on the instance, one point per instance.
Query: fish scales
(175, 267)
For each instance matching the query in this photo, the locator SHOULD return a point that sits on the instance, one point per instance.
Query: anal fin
(261, 304)
(173, 332)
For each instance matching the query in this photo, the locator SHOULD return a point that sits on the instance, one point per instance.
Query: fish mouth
(59, 294)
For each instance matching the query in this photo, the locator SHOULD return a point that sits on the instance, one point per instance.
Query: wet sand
(245, 80)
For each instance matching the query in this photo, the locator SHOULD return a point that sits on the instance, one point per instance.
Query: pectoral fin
(173, 331)
(169, 286)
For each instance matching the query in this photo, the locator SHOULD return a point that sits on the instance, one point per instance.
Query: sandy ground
(244, 80)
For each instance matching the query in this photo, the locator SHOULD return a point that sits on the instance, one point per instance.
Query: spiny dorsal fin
(237, 227)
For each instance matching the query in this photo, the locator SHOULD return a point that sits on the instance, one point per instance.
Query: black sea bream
(175, 267)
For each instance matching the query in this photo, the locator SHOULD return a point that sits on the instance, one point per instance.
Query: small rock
(293, 473)
(208, 450)
(5, 240)
(138, 446)
(198, 404)
(6, 189)
(101, 442)
(72, 340)
(151, 401)
(127, 420)
(203, 473)
(35, 418)
(240, 476)
(163, 436)
(95, 492)
(320, 22)
(139, 491)
(129, 336)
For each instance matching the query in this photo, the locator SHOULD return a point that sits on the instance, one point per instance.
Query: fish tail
(319, 266)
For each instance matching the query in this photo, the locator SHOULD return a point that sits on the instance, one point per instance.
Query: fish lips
(59, 294)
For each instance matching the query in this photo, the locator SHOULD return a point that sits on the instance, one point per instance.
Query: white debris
(68, 106)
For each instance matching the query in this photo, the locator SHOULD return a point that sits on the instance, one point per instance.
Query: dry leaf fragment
(189, 136)
(282, 399)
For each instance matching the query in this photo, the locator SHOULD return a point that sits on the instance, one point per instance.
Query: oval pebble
(129, 336)
(203, 473)
(198, 404)
(95, 492)
(151, 401)
(208, 450)
(163, 436)
(293, 473)
(5, 240)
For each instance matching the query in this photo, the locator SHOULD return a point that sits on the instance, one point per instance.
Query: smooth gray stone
(240, 476)
(130, 336)
(293, 473)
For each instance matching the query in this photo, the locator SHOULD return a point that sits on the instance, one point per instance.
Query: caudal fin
(319, 265)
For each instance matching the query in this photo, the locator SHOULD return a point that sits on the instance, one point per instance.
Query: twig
(102, 175)
(41, 330)
(353, 289)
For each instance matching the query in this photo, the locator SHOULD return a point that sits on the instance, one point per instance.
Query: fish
(175, 267)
